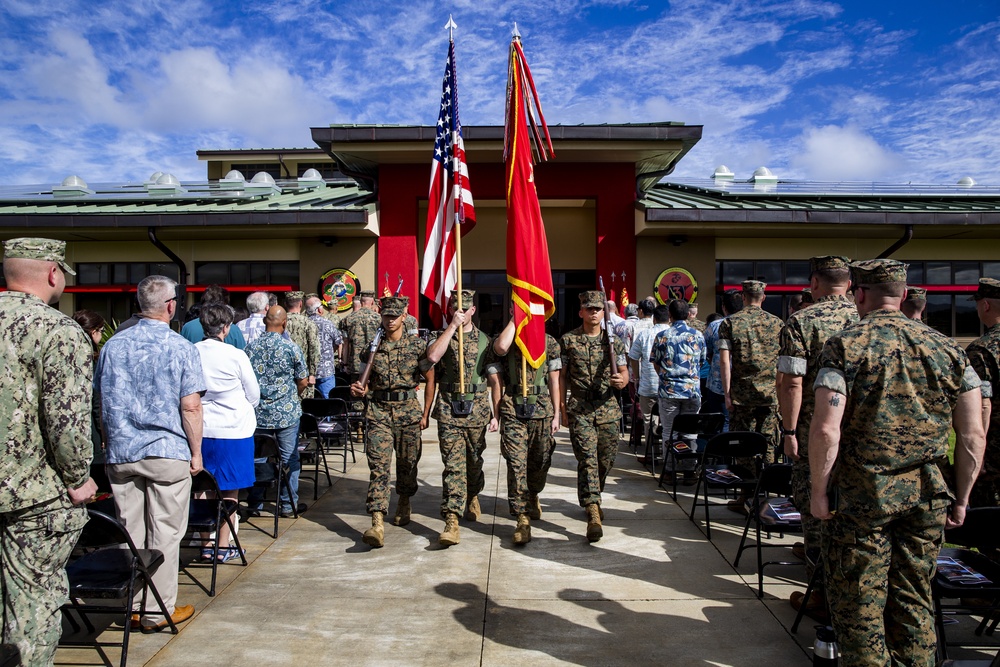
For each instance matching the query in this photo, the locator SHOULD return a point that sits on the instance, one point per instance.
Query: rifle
(376, 341)
(608, 327)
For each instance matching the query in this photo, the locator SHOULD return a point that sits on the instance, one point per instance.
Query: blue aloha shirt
(141, 376)
(678, 353)
(712, 352)
(278, 363)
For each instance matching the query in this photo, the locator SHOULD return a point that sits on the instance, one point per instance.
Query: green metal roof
(799, 202)
(201, 203)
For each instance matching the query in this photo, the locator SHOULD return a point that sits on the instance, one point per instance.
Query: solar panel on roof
(793, 188)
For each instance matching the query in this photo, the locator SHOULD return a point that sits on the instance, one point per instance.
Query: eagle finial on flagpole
(450, 27)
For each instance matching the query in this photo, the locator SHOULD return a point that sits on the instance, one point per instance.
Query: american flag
(449, 199)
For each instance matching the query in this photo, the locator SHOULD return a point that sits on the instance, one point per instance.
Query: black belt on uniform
(469, 388)
(533, 390)
(587, 395)
(394, 396)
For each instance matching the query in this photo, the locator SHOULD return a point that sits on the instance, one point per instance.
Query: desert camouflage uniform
(984, 355)
(46, 371)
(751, 336)
(462, 438)
(526, 445)
(902, 381)
(802, 339)
(359, 329)
(592, 410)
(394, 418)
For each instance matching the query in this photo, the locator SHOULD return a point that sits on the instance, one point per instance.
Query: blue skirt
(230, 461)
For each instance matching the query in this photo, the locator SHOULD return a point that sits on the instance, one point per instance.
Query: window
(325, 169)
(250, 169)
(123, 273)
(247, 273)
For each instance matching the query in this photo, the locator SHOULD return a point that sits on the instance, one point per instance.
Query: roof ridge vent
(152, 179)
(166, 184)
(234, 180)
(311, 179)
(72, 186)
(723, 173)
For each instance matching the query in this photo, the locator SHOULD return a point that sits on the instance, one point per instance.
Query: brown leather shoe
(181, 614)
(815, 608)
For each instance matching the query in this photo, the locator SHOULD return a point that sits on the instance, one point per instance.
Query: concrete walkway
(653, 591)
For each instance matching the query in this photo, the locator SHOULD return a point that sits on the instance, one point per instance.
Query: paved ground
(653, 591)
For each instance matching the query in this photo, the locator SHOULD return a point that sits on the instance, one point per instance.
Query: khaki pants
(153, 497)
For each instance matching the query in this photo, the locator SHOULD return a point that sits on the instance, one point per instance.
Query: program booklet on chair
(681, 447)
(784, 510)
(722, 476)
(957, 572)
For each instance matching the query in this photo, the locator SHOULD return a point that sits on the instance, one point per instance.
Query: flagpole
(457, 230)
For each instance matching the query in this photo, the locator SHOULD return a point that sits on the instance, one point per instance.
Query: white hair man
(253, 326)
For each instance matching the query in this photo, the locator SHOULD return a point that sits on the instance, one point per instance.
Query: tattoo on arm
(835, 400)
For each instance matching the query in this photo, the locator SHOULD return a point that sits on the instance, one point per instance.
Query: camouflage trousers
(812, 528)
(760, 418)
(382, 439)
(878, 583)
(527, 446)
(35, 544)
(595, 447)
(462, 454)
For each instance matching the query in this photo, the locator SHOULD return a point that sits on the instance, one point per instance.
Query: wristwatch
(786, 431)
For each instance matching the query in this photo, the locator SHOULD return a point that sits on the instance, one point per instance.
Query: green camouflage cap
(467, 296)
(807, 295)
(915, 294)
(367, 294)
(989, 288)
(394, 306)
(828, 262)
(592, 299)
(310, 296)
(753, 286)
(878, 272)
(295, 296)
(46, 250)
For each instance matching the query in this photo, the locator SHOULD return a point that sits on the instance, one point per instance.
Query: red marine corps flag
(528, 269)
(449, 199)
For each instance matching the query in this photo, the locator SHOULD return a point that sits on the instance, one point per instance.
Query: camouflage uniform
(592, 411)
(901, 381)
(410, 325)
(462, 438)
(802, 339)
(751, 336)
(394, 417)
(984, 355)
(359, 329)
(46, 369)
(527, 445)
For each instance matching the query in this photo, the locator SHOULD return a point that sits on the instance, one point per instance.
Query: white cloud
(834, 153)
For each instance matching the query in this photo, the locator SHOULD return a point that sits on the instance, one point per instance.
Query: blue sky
(878, 90)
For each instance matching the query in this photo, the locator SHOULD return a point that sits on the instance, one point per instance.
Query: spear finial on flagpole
(517, 33)
(450, 27)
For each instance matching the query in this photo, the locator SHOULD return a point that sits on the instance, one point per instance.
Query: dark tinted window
(991, 270)
(915, 273)
(966, 273)
(733, 273)
(938, 273)
(796, 273)
(966, 319)
(938, 312)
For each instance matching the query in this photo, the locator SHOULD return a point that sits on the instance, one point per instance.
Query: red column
(401, 187)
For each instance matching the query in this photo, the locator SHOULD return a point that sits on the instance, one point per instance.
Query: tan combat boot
(472, 510)
(522, 534)
(375, 536)
(450, 534)
(594, 530)
(402, 512)
(534, 507)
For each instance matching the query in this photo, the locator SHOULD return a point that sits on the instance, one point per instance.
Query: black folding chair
(771, 512)
(111, 570)
(701, 424)
(651, 437)
(981, 530)
(357, 408)
(719, 469)
(334, 422)
(207, 515)
(312, 453)
(270, 474)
